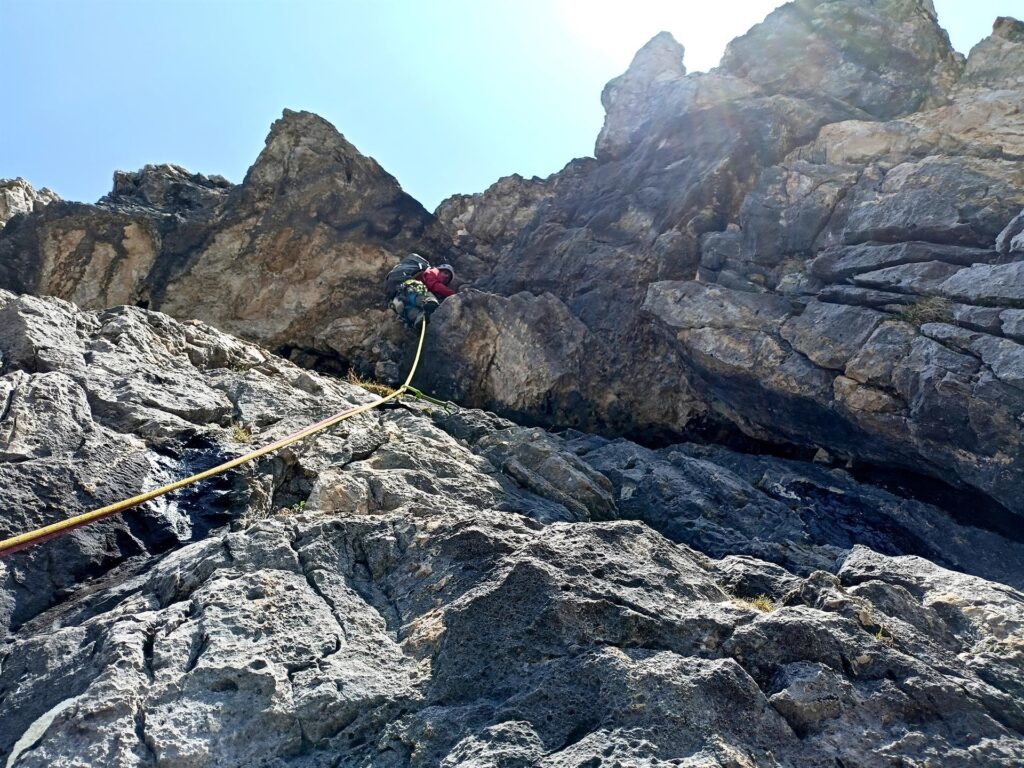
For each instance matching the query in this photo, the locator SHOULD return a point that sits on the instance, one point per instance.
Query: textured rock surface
(293, 257)
(423, 587)
(815, 249)
(18, 196)
(782, 286)
(754, 253)
(887, 58)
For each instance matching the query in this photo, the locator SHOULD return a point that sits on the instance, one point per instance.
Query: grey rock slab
(840, 263)
(790, 206)
(1004, 357)
(911, 203)
(830, 334)
(424, 587)
(720, 248)
(696, 305)
(1011, 239)
(863, 297)
(1011, 323)
(985, 319)
(538, 462)
(555, 661)
(922, 278)
(881, 353)
(988, 285)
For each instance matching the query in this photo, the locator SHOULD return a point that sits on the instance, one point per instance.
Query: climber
(437, 280)
(415, 289)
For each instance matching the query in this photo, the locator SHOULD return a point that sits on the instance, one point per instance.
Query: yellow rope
(7, 546)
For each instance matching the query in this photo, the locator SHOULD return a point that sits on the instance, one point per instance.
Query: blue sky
(448, 95)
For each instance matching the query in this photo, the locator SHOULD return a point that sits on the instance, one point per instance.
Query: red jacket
(432, 278)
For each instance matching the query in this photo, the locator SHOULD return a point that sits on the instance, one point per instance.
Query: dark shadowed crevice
(966, 506)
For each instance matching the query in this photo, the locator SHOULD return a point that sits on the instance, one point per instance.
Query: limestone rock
(922, 278)
(811, 251)
(425, 586)
(836, 166)
(320, 223)
(18, 196)
(843, 262)
(527, 356)
(830, 334)
(1011, 239)
(887, 58)
(910, 203)
(998, 60)
(792, 203)
(999, 284)
(167, 189)
(627, 97)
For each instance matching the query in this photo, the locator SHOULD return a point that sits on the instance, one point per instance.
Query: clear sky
(448, 95)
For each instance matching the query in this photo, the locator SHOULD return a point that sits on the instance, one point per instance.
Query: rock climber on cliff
(415, 289)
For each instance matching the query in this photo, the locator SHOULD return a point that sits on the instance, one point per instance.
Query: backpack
(406, 269)
(413, 302)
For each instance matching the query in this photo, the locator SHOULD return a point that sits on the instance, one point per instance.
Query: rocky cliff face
(430, 587)
(793, 246)
(815, 246)
(814, 250)
(293, 257)
(18, 196)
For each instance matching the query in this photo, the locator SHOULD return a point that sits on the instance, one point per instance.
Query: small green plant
(883, 637)
(369, 386)
(763, 603)
(241, 434)
(933, 309)
(295, 509)
(793, 267)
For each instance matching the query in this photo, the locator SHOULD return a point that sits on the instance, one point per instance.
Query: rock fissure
(140, 733)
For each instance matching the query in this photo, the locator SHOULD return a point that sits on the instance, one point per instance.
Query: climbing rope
(25, 540)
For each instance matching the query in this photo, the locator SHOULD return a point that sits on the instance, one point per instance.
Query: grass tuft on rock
(380, 390)
(933, 309)
(763, 603)
(241, 434)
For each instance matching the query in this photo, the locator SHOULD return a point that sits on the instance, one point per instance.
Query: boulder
(922, 278)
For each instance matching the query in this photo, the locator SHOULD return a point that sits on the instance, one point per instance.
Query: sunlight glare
(616, 30)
